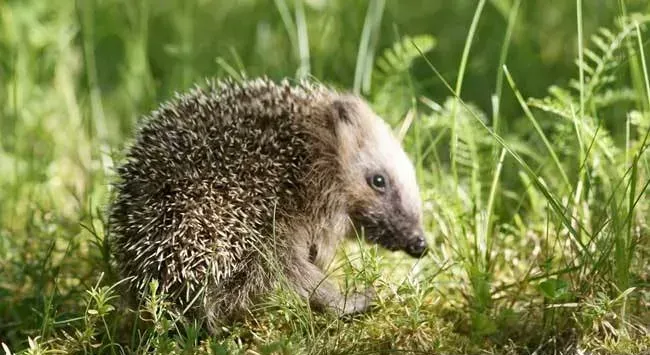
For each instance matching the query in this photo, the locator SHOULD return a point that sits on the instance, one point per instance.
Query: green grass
(528, 123)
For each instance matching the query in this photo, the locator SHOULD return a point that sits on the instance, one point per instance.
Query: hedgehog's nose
(417, 248)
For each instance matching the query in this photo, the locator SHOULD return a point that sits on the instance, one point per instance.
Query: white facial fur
(371, 146)
(385, 152)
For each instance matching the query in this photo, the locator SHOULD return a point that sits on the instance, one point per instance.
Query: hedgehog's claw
(359, 302)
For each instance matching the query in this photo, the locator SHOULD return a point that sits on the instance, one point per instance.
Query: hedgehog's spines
(193, 108)
(223, 181)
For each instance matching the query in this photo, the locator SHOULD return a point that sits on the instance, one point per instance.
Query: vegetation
(528, 122)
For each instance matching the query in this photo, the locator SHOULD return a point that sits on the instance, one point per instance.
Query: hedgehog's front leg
(311, 283)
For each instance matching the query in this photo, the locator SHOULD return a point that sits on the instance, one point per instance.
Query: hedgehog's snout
(417, 246)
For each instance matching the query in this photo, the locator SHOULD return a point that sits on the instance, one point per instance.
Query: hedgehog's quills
(228, 183)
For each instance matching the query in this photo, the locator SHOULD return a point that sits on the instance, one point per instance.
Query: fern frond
(609, 52)
(603, 141)
(399, 58)
(392, 91)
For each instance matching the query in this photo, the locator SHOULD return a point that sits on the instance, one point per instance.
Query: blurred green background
(142, 51)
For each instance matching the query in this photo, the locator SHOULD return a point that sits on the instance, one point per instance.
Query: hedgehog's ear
(344, 117)
(343, 109)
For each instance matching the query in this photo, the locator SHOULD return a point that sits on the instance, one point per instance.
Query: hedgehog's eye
(377, 182)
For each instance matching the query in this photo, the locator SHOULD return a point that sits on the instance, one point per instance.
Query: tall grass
(536, 211)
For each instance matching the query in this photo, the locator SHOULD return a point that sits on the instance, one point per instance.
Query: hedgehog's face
(383, 196)
(387, 216)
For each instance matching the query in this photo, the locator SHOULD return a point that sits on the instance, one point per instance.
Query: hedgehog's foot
(357, 302)
(311, 283)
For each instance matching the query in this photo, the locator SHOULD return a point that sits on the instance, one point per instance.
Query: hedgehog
(232, 187)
